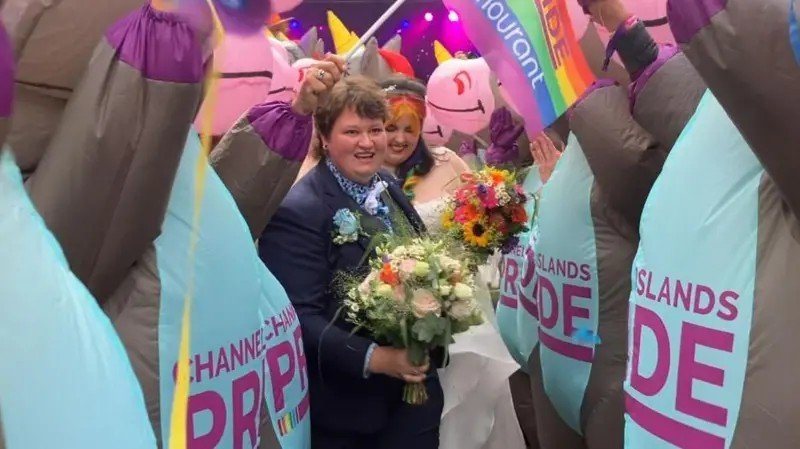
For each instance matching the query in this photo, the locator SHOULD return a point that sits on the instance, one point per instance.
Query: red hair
(397, 62)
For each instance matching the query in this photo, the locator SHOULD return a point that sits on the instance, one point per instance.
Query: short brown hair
(356, 93)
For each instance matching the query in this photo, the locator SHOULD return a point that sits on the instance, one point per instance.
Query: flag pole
(371, 31)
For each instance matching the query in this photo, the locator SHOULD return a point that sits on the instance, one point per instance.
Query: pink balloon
(580, 21)
(654, 11)
(236, 94)
(434, 134)
(460, 95)
(284, 79)
(282, 6)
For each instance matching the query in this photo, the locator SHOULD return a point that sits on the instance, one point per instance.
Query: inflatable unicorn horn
(343, 39)
(441, 53)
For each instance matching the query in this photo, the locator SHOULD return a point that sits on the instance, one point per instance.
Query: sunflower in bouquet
(486, 212)
(416, 296)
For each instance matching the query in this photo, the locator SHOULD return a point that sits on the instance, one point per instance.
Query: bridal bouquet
(486, 212)
(416, 296)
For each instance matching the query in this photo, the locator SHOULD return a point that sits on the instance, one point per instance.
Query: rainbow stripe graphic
(288, 422)
(532, 48)
(794, 29)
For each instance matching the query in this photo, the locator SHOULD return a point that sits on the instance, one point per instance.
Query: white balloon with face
(284, 84)
(460, 95)
(282, 6)
(433, 133)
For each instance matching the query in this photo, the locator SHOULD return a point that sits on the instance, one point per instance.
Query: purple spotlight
(452, 16)
(428, 17)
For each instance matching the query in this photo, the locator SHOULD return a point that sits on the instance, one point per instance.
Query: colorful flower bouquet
(486, 212)
(416, 296)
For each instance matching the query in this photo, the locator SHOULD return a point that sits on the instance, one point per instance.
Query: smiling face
(356, 146)
(460, 95)
(434, 134)
(402, 135)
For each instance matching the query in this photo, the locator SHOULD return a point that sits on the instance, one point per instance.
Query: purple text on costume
(281, 358)
(564, 294)
(674, 357)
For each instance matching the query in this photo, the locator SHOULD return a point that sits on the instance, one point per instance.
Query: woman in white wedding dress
(478, 410)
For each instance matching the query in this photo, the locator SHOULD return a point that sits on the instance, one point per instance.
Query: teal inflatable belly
(245, 336)
(693, 290)
(566, 267)
(65, 380)
(517, 314)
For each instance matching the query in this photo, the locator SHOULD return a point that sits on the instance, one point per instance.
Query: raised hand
(318, 80)
(545, 156)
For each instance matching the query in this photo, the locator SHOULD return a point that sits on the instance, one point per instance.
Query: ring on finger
(320, 74)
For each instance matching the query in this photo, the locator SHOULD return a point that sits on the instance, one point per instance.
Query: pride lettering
(516, 284)
(211, 418)
(680, 386)
(556, 29)
(563, 306)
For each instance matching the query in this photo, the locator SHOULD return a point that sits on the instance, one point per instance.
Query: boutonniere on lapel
(372, 203)
(347, 226)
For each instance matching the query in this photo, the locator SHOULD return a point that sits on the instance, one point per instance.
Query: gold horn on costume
(343, 39)
(440, 52)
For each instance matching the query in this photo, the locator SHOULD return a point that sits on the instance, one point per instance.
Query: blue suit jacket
(297, 247)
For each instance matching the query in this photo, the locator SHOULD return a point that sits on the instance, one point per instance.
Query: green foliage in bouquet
(416, 296)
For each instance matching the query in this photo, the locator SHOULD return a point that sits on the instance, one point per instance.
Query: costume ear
(308, 41)
(319, 49)
(394, 44)
(370, 60)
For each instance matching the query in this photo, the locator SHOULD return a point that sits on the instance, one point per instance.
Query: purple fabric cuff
(597, 84)
(497, 156)
(687, 17)
(158, 44)
(665, 53)
(282, 130)
(6, 74)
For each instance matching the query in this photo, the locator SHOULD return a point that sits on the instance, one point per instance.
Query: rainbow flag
(532, 48)
(794, 29)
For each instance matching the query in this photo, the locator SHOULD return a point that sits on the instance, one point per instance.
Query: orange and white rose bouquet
(416, 296)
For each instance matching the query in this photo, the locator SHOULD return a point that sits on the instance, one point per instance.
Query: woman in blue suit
(355, 383)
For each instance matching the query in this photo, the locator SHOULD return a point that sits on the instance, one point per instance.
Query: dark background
(358, 15)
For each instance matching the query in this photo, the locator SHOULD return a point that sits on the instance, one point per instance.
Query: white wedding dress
(478, 410)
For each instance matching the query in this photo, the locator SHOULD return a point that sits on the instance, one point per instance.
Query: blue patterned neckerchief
(360, 194)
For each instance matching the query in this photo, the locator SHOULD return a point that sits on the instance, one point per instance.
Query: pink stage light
(428, 17)
(452, 16)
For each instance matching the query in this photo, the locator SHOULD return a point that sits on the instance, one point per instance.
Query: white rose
(445, 290)
(462, 291)
(449, 264)
(461, 310)
(424, 302)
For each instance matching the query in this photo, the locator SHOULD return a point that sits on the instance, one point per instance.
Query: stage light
(428, 17)
(405, 24)
(452, 16)
(294, 24)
